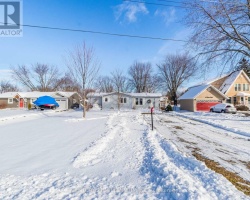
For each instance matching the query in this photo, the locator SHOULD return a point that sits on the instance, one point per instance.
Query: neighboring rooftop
(194, 91)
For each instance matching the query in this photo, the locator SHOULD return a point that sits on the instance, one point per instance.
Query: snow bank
(233, 123)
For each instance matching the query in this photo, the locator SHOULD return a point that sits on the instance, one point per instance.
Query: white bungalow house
(115, 100)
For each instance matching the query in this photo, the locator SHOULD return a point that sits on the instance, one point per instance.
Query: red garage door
(205, 106)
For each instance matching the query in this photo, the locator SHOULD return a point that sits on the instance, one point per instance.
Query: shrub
(169, 108)
(242, 108)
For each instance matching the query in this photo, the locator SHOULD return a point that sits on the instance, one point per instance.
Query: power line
(98, 32)
(167, 1)
(156, 4)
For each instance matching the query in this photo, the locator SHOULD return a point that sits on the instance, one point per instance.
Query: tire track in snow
(174, 176)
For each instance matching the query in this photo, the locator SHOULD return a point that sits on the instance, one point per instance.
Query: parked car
(223, 108)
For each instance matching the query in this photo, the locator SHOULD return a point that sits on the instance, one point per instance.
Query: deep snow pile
(112, 156)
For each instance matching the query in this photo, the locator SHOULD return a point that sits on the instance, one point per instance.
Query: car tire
(211, 110)
(222, 111)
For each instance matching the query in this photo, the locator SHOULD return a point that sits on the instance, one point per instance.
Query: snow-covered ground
(114, 155)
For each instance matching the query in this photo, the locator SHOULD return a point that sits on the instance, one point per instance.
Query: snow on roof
(36, 94)
(194, 91)
(67, 94)
(96, 94)
(8, 95)
(229, 80)
(129, 94)
(145, 94)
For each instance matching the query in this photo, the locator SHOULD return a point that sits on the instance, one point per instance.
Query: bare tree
(220, 30)
(120, 85)
(104, 84)
(175, 70)
(141, 77)
(45, 76)
(67, 84)
(22, 74)
(40, 77)
(6, 86)
(83, 68)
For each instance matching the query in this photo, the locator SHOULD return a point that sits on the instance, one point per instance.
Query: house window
(123, 100)
(10, 101)
(106, 99)
(239, 87)
(247, 87)
(141, 102)
(235, 87)
(229, 100)
(248, 100)
(138, 101)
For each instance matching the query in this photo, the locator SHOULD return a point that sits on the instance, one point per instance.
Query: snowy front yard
(110, 155)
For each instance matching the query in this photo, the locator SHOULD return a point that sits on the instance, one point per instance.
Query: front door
(21, 103)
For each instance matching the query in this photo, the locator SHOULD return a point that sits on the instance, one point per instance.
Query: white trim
(243, 94)
(10, 102)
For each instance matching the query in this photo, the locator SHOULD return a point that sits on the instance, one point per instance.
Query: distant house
(10, 100)
(65, 100)
(232, 88)
(125, 100)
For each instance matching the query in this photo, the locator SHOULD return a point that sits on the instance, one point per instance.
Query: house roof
(193, 92)
(37, 94)
(8, 95)
(128, 94)
(145, 94)
(229, 81)
(96, 94)
(67, 94)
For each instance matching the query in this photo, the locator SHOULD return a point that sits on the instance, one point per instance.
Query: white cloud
(168, 15)
(130, 11)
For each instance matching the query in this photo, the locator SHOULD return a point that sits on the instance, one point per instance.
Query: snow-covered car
(223, 108)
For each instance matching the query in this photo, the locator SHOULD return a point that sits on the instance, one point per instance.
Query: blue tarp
(46, 100)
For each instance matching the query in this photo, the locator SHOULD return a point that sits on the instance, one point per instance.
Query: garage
(201, 98)
(63, 104)
(202, 105)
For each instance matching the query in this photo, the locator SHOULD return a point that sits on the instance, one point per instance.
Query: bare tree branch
(83, 68)
(175, 70)
(220, 30)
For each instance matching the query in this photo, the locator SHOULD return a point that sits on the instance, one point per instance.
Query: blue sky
(114, 16)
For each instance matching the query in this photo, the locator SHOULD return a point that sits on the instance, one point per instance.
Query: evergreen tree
(244, 65)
